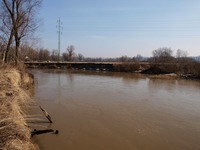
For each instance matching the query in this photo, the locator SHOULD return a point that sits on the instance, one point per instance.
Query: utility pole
(59, 27)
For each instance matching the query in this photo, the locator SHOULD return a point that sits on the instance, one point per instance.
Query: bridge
(76, 65)
(101, 66)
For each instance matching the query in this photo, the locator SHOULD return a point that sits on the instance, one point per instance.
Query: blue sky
(112, 28)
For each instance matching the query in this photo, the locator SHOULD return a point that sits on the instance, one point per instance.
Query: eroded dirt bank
(14, 100)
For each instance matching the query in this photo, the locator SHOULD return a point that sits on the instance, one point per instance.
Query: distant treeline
(28, 53)
(163, 60)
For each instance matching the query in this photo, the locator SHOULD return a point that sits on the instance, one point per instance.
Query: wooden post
(46, 114)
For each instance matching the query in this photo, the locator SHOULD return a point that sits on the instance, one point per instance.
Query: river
(117, 111)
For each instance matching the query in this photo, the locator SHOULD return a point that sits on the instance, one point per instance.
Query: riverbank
(189, 70)
(14, 100)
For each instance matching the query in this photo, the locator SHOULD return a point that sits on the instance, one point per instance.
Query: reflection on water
(118, 111)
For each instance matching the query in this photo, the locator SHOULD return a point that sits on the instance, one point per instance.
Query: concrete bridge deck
(78, 65)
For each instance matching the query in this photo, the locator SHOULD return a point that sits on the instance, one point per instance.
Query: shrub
(126, 67)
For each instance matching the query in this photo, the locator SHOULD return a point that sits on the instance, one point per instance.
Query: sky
(114, 28)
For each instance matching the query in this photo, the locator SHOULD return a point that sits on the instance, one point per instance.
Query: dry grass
(14, 133)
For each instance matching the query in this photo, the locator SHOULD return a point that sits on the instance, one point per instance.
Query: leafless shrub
(163, 55)
(126, 67)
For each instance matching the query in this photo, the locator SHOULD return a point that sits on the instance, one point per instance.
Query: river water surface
(118, 111)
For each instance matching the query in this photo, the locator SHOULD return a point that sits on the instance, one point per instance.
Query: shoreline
(150, 75)
(14, 100)
(190, 71)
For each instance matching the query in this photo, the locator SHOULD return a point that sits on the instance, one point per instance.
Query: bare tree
(6, 31)
(163, 55)
(28, 53)
(181, 55)
(1, 50)
(33, 54)
(19, 17)
(55, 55)
(124, 59)
(69, 56)
(80, 57)
(139, 57)
(44, 55)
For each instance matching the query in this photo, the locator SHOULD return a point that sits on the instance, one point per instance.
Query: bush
(195, 69)
(126, 67)
(192, 68)
(163, 68)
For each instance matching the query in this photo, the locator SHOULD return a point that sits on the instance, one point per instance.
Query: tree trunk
(17, 45)
(8, 47)
(3, 56)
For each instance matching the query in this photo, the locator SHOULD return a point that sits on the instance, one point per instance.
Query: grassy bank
(14, 99)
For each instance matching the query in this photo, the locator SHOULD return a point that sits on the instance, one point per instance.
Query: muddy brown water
(118, 111)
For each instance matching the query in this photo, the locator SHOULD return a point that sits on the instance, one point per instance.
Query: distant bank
(186, 70)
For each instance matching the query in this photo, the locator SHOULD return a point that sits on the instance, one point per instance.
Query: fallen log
(39, 121)
(37, 132)
(46, 114)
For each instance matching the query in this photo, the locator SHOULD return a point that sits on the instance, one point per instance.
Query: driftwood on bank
(37, 132)
(46, 114)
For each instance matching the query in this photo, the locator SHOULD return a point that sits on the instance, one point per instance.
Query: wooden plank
(46, 114)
